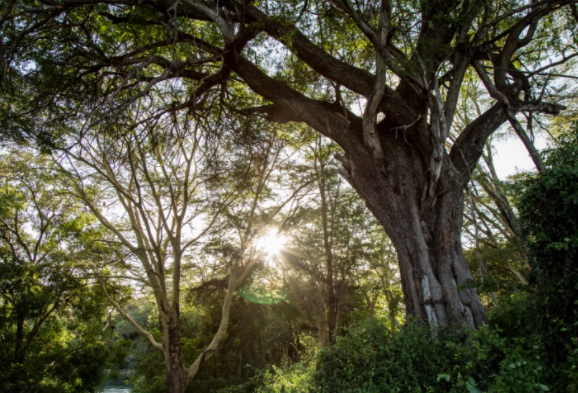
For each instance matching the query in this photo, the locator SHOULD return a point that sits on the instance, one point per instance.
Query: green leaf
(443, 376)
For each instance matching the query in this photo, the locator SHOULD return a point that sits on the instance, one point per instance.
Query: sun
(271, 242)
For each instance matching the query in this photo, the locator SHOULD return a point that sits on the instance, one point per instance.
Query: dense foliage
(51, 314)
(370, 360)
(548, 209)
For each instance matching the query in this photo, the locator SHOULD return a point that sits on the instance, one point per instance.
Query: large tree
(67, 64)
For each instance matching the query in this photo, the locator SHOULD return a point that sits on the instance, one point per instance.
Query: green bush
(514, 313)
(370, 360)
(292, 377)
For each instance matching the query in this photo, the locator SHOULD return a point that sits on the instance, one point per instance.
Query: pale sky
(510, 155)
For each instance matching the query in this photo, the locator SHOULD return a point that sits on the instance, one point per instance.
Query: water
(116, 390)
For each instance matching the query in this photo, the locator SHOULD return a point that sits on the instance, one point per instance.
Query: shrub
(370, 360)
(292, 378)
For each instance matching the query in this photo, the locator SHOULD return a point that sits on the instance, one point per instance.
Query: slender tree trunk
(177, 378)
(332, 315)
(371, 302)
(322, 333)
(19, 350)
(392, 323)
(332, 301)
(516, 272)
(392, 306)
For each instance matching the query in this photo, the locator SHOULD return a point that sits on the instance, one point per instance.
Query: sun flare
(271, 242)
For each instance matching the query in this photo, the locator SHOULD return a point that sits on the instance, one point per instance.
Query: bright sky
(510, 155)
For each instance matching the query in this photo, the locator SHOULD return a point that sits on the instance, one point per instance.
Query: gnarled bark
(435, 277)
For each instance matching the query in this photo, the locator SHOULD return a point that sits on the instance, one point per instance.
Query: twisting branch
(526, 140)
(439, 130)
(222, 24)
(370, 137)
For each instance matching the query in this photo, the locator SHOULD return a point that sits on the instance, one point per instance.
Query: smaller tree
(162, 186)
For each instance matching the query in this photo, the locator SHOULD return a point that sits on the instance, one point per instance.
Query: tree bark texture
(436, 281)
(177, 375)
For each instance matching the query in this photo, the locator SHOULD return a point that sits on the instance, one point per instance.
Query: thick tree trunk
(415, 191)
(436, 280)
(178, 382)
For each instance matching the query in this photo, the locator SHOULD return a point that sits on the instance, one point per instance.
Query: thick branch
(353, 78)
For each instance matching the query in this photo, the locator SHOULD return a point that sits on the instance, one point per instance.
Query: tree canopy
(67, 65)
(177, 113)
